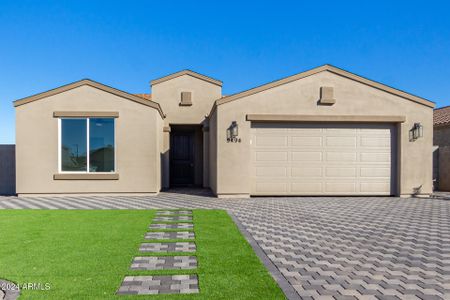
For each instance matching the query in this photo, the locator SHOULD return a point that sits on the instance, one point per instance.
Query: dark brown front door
(182, 158)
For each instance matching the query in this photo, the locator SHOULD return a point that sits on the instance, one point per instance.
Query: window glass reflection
(101, 144)
(73, 145)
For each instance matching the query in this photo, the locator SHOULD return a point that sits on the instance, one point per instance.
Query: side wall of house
(442, 139)
(444, 168)
(160, 152)
(441, 136)
(136, 138)
(301, 97)
(213, 159)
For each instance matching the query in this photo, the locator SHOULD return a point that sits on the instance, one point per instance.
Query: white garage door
(322, 159)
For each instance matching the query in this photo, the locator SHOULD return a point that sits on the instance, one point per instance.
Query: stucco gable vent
(327, 95)
(186, 99)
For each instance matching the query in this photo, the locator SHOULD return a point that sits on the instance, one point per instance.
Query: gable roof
(187, 72)
(331, 69)
(93, 84)
(441, 116)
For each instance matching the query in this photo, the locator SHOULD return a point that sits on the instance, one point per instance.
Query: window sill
(84, 176)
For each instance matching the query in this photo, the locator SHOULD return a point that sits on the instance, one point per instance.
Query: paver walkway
(171, 226)
(168, 247)
(366, 247)
(160, 284)
(164, 284)
(164, 262)
(181, 235)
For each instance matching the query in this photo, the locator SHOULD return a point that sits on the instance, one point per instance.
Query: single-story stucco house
(325, 131)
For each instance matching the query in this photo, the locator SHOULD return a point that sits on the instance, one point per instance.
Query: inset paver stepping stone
(170, 235)
(172, 226)
(173, 212)
(164, 263)
(163, 284)
(174, 218)
(168, 247)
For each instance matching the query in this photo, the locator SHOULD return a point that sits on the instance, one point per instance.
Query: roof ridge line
(332, 69)
(186, 72)
(94, 84)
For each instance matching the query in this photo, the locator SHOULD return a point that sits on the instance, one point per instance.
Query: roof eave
(334, 70)
(94, 84)
(189, 73)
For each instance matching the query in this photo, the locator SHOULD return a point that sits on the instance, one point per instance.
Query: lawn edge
(279, 278)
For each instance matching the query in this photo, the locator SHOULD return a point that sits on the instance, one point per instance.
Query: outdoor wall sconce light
(233, 132)
(416, 132)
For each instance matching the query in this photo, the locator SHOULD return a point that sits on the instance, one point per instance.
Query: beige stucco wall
(138, 144)
(168, 95)
(213, 152)
(160, 148)
(300, 97)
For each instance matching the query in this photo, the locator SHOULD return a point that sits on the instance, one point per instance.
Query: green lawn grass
(86, 254)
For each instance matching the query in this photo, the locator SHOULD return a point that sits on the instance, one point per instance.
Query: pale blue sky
(125, 44)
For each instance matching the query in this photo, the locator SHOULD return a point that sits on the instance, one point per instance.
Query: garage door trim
(324, 118)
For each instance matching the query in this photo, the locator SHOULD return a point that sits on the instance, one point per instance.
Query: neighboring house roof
(145, 96)
(331, 69)
(441, 116)
(94, 84)
(187, 72)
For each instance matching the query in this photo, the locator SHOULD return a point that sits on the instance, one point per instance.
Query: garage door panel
(308, 131)
(341, 172)
(271, 171)
(375, 187)
(306, 187)
(375, 157)
(271, 156)
(378, 142)
(375, 172)
(341, 141)
(274, 188)
(269, 130)
(269, 140)
(306, 171)
(305, 141)
(341, 156)
(322, 159)
(372, 130)
(340, 187)
(306, 156)
(340, 131)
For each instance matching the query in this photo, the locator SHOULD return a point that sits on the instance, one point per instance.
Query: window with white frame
(86, 145)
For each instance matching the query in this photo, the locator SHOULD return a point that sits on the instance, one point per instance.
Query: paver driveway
(371, 248)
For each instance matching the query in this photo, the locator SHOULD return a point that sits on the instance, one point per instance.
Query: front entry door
(182, 158)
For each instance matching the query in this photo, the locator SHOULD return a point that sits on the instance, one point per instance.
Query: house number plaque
(234, 140)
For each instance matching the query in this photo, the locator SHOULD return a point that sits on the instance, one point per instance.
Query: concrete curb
(285, 286)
